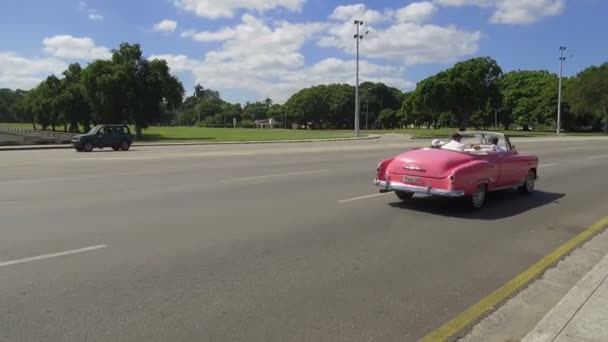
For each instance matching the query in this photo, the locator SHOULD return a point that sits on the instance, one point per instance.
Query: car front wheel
(88, 147)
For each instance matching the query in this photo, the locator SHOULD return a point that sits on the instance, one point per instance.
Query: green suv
(118, 137)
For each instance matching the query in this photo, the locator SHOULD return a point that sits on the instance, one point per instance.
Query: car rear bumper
(387, 186)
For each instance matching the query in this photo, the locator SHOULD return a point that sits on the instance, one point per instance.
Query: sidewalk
(582, 315)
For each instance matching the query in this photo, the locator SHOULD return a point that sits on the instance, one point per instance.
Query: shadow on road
(499, 204)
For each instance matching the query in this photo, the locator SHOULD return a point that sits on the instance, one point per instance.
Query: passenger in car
(455, 143)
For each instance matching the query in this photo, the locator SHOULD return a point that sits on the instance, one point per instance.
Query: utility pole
(495, 119)
(366, 112)
(559, 92)
(357, 37)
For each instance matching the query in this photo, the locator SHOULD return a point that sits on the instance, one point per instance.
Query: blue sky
(252, 49)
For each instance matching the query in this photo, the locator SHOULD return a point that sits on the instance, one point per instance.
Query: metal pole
(559, 92)
(495, 118)
(357, 37)
(366, 112)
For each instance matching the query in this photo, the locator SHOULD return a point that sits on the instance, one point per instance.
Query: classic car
(468, 173)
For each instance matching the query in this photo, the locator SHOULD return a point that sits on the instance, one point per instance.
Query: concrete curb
(555, 322)
(67, 146)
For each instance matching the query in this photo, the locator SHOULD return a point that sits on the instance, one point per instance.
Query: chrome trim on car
(414, 167)
(387, 186)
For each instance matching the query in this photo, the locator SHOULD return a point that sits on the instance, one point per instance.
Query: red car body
(469, 173)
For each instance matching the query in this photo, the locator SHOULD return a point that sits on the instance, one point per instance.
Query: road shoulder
(521, 315)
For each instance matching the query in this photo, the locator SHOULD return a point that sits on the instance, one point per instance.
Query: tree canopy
(129, 88)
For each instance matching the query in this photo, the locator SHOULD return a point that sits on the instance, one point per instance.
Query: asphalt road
(278, 242)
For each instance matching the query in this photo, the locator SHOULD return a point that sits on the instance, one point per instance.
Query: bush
(247, 124)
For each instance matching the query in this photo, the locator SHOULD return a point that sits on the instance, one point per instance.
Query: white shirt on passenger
(454, 145)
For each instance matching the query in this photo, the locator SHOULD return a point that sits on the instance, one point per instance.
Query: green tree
(587, 94)
(72, 102)
(528, 98)
(471, 85)
(130, 88)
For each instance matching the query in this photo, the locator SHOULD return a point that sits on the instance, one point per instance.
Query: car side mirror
(513, 147)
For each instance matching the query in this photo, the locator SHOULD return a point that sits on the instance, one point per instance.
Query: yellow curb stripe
(484, 306)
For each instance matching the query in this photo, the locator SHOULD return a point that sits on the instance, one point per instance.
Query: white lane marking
(52, 255)
(114, 158)
(598, 157)
(8, 203)
(274, 175)
(117, 174)
(548, 165)
(363, 197)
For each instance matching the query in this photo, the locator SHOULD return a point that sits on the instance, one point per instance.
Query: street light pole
(559, 92)
(357, 37)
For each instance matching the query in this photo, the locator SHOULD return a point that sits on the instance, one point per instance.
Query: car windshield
(94, 129)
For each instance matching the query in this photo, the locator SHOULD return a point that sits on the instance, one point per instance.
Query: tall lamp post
(562, 58)
(357, 37)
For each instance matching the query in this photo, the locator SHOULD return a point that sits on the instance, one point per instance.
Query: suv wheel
(125, 145)
(88, 147)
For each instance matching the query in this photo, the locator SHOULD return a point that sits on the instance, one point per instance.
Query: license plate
(412, 179)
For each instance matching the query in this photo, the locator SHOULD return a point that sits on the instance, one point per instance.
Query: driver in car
(494, 145)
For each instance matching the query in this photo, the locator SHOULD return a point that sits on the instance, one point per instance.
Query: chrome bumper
(387, 186)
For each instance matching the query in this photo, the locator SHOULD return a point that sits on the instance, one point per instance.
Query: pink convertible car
(479, 163)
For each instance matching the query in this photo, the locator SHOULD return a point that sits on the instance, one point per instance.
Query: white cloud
(417, 12)
(66, 46)
(282, 82)
(177, 63)
(405, 41)
(254, 45)
(513, 11)
(95, 17)
(165, 26)
(215, 9)
(206, 36)
(264, 59)
(92, 13)
(349, 13)
(17, 72)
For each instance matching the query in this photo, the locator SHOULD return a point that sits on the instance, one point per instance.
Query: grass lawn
(183, 134)
(18, 125)
(167, 134)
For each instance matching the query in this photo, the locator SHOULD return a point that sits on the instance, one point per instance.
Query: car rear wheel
(528, 186)
(125, 145)
(88, 147)
(479, 196)
(403, 195)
